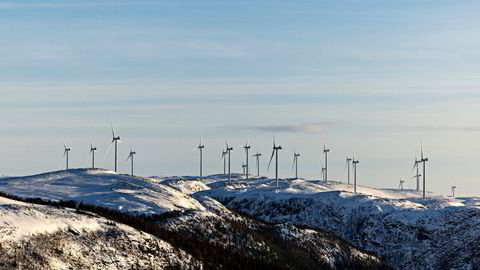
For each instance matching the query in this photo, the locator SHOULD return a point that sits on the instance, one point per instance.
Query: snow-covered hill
(44, 237)
(199, 228)
(101, 187)
(410, 232)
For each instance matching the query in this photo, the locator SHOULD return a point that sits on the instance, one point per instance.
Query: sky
(370, 78)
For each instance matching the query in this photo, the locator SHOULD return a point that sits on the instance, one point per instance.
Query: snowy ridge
(411, 233)
(202, 226)
(103, 188)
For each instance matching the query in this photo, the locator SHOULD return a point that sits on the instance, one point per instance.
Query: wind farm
(239, 135)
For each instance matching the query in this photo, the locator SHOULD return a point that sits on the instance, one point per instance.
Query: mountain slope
(201, 226)
(44, 237)
(409, 232)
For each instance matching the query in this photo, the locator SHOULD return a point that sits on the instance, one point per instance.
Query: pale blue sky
(366, 76)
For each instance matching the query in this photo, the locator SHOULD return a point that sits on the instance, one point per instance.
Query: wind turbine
(355, 162)
(400, 186)
(130, 156)
(325, 151)
(423, 160)
(257, 156)
(200, 147)
(115, 140)
(65, 154)
(415, 166)
(244, 167)
(92, 151)
(348, 169)
(275, 153)
(295, 163)
(453, 191)
(246, 147)
(224, 159)
(229, 150)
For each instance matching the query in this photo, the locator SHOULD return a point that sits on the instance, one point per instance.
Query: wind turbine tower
(453, 191)
(224, 158)
(229, 151)
(200, 147)
(295, 163)
(246, 147)
(348, 169)
(65, 154)
(355, 163)
(423, 160)
(415, 166)
(92, 151)
(244, 168)
(257, 156)
(130, 156)
(400, 186)
(325, 151)
(275, 153)
(115, 140)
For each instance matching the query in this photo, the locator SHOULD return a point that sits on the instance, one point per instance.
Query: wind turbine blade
(414, 166)
(421, 148)
(108, 150)
(113, 132)
(294, 160)
(270, 162)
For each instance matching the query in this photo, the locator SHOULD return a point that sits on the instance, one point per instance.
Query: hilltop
(198, 231)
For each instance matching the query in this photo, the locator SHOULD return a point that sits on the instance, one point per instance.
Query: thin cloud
(317, 127)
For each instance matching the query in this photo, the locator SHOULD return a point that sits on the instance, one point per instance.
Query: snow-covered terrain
(44, 237)
(101, 187)
(408, 231)
(211, 235)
